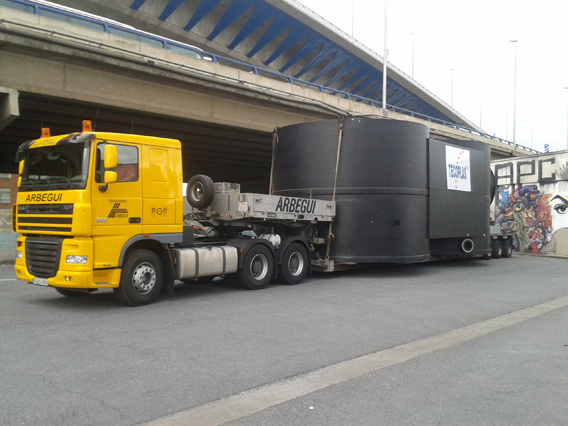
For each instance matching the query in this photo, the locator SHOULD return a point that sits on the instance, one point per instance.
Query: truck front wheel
(294, 265)
(258, 268)
(141, 280)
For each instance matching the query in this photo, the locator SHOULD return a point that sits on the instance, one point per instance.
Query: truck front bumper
(108, 278)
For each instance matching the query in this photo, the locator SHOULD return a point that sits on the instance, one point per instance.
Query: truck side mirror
(110, 177)
(111, 158)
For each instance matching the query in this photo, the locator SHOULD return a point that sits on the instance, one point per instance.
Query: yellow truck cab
(88, 201)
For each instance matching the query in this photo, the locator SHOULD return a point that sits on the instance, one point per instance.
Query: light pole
(412, 55)
(352, 18)
(452, 102)
(567, 124)
(515, 99)
(506, 127)
(385, 63)
(480, 109)
(531, 139)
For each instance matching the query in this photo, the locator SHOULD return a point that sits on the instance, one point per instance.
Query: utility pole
(515, 99)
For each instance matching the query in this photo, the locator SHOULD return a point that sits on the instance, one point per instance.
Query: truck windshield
(56, 167)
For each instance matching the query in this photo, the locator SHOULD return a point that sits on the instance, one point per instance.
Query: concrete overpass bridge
(57, 69)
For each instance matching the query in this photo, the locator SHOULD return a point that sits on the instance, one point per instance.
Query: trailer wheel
(294, 265)
(496, 249)
(258, 268)
(200, 191)
(141, 280)
(507, 248)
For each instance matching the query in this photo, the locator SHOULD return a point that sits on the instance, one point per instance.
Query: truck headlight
(76, 260)
(19, 254)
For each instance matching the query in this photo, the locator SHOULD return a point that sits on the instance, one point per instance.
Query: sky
(429, 39)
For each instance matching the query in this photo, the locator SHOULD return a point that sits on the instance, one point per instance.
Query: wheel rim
(259, 267)
(197, 191)
(144, 278)
(296, 264)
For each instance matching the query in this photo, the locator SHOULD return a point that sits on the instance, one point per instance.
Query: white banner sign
(457, 169)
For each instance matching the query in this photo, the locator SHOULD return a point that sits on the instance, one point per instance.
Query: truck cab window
(127, 166)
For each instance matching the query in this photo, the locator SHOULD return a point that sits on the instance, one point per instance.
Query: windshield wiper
(64, 185)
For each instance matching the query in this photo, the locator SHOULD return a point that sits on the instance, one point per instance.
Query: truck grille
(42, 256)
(41, 217)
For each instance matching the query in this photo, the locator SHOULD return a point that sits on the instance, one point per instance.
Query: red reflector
(146, 235)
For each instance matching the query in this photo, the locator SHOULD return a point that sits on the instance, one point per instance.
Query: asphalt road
(442, 343)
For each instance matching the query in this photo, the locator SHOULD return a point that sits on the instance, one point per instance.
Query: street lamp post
(413, 55)
(506, 127)
(385, 63)
(352, 18)
(480, 109)
(515, 99)
(452, 101)
(566, 124)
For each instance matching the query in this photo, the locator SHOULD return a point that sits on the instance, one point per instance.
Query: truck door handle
(134, 220)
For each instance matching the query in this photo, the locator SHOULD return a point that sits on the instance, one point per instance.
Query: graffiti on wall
(531, 217)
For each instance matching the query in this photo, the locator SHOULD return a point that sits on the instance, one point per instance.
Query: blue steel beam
(137, 3)
(363, 72)
(326, 51)
(276, 28)
(296, 35)
(371, 79)
(202, 10)
(337, 60)
(345, 70)
(313, 42)
(233, 12)
(170, 8)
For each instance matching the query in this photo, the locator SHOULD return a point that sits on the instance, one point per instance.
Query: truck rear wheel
(294, 265)
(141, 280)
(507, 248)
(258, 268)
(496, 249)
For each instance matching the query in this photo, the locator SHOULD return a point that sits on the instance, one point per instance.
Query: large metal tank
(381, 190)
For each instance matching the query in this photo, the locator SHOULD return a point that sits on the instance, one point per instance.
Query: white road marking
(254, 400)
(8, 279)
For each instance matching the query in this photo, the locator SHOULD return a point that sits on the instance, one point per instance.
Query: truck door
(117, 207)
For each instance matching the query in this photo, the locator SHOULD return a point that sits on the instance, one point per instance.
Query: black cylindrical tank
(382, 185)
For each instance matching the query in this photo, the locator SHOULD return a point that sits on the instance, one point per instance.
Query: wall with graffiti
(531, 202)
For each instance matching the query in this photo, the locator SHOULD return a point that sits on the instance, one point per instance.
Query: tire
(141, 280)
(71, 293)
(496, 249)
(507, 248)
(294, 265)
(200, 191)
(258, 268)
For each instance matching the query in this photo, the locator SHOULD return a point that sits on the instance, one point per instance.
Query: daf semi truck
(102, 210)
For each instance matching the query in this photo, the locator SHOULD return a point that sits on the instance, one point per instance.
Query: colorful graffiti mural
(531, 217)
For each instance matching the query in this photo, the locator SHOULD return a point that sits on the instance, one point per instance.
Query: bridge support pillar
(9, 109)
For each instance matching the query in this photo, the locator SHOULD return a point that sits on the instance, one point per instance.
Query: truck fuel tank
(198, 262)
